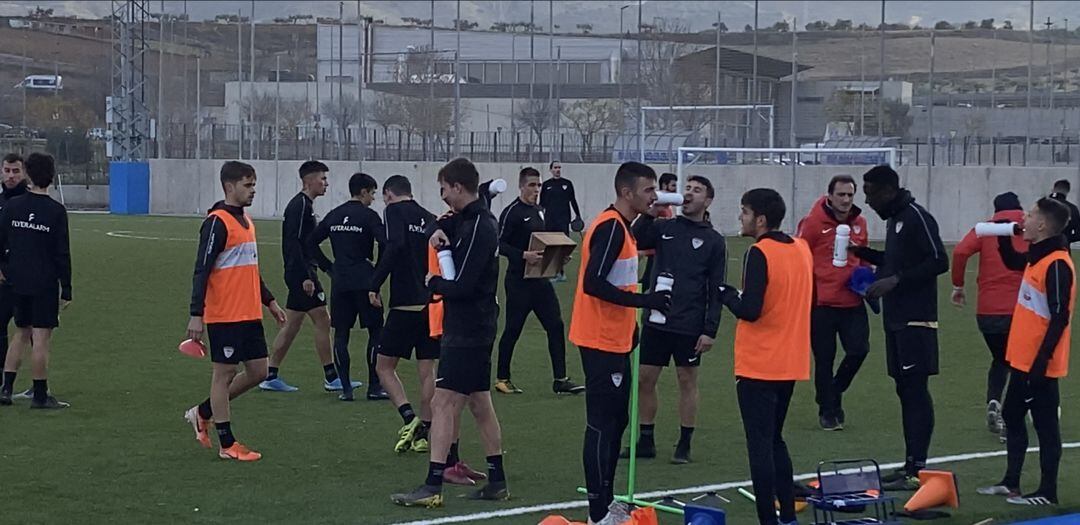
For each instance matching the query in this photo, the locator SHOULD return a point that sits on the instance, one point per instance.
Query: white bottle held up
(664, 282)
(840, 246)
(446, 265)
(664, 198)
(997, 229)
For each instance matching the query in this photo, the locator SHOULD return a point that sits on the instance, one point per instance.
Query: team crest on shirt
(322, 296)
(564, 187)
(696, 243)
(857, 229)
(616, 379)
(541, 213)
(899, 226)
(228, 350)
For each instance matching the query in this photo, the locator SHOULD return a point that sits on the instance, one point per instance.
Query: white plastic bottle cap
(496, 187)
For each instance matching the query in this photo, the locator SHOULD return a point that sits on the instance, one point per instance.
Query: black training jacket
(471, 311)
(913, 252)
(353, 230)
(404, 257)
(35, 247)
(695, 255)
(517, 222)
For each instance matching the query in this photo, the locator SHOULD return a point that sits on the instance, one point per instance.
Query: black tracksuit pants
(764, 406)
(607, 405)
(853, 329)
(525, 296)
(1042, 400)
(995, 331)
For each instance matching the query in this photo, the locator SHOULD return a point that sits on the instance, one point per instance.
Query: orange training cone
(937, 488)
(558, 520)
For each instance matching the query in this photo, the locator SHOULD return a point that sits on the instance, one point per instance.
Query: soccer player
(227, 295)
(694, 254)
(35, 258)
(998, 289)
(604, 326)
(838, 311)
(404, 261)
(907, 284)
(1061, 193)
(471, 315)
(517, 223)
(557, 198)
(772, 345)
(353, 229)
(14, 184)
(1038, 349)
(306, 297)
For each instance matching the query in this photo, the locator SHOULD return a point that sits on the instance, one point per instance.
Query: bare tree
(535, 115)
(591, 116)
(344, 111)
(666, 84)
(386, 111)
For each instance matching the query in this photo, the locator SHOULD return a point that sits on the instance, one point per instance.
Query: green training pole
(635, 364)
(642, 503)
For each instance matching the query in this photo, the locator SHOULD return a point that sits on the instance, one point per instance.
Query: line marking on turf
(126, 234)
(575, 504)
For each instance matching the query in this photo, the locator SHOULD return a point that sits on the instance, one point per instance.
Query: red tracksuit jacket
(998, 286)
(818, 228)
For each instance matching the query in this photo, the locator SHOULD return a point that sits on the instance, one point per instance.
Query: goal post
(689, 156)
(764, 112)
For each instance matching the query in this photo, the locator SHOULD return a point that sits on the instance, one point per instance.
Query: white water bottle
(996, 229)
(496, 187)
(840, 246)
(664, 282)
(446, 265)
(664, 198)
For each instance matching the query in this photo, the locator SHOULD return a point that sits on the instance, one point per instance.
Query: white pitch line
(125, 234)
(466, 518)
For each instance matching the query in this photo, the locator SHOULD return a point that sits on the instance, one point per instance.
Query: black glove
(1036, 377)
(659, 301)
(728, 293)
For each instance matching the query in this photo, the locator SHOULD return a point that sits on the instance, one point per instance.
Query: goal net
(661, 130)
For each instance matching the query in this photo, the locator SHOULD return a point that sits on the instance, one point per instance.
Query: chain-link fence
(536, 81)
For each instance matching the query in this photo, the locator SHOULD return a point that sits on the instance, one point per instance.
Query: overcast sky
(604, 15)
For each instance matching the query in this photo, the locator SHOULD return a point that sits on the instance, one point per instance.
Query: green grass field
(123, 453)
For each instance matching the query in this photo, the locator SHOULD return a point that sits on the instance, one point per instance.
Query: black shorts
(233, 343)
(911, 351)
(406, 331)
(464, 369)
(348, 306)
(300, 301)
(659, 347)
(36, 311)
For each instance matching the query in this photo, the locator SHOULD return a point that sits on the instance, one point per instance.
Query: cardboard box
(556, 247)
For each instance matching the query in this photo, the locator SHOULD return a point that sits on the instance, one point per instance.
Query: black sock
(495, 469)
(272, 374)
(330, 372)
(425, 429)
(685, 433)
(9, 382)
(41, 390)
(435, 474)
(205, 411)
(224, 433)
(407, 414)
(647, 433)
(452, 458)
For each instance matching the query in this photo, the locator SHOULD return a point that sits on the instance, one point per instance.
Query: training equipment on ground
(936, 488)
(446, 265)
(997, 229)
(840, 246)
(849, 492)
(697, 515)
(193, 348)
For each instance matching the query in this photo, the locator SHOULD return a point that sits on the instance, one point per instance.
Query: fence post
(495, 148)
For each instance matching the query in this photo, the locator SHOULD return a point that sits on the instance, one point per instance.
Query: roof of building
(737, 61)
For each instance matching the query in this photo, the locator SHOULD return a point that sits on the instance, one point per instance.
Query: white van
(46, 82)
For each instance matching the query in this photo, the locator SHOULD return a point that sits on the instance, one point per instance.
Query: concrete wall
(957, 196)
(79, 197)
